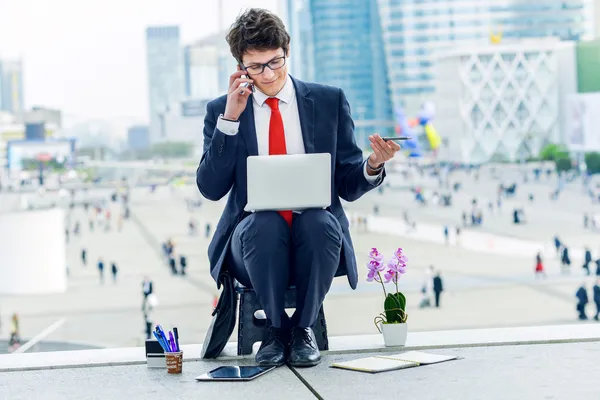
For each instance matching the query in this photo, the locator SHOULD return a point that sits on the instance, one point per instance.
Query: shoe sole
(306, 364)
(264, 364)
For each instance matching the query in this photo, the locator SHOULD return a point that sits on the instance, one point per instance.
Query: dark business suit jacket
(326, 128)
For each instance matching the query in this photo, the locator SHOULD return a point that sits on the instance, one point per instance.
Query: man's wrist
(229, 117)
(373, 166)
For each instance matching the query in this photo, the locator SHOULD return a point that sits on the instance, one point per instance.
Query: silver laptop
(289, 182)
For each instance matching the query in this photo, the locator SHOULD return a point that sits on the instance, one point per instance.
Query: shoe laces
(304, 336)
(273, 335)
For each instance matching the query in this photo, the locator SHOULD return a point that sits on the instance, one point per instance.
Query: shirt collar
(286, 94)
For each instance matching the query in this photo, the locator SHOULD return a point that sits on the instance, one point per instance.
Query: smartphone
(397, 138)
(245, 84)
(234, 373)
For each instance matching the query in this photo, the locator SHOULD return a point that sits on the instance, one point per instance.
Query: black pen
(176, 333)
(396, 138)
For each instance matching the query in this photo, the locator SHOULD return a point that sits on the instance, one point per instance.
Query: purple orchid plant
(386, 272)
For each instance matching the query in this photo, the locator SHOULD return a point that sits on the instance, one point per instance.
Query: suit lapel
(248, 128)
(306, 112)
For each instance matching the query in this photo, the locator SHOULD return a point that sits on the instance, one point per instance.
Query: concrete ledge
(338, 345)
(472, 338)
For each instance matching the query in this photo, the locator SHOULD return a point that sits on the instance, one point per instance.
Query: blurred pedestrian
(114, 270)
(597, 298)
(147, 290)
(539, 266)
(582, 300)
(173, 264)
(587, 261)
(101, 269)
(192, 227)
(183, 263)
(148, 313)
(565, 260)
(557, 245)
(438, 288)
(15, 333)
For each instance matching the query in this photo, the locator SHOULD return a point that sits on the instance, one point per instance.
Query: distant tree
(558, 154)
(592, 161)
(552, 151)
(563, 163)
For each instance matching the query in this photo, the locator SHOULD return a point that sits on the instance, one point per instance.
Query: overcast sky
(87, 57)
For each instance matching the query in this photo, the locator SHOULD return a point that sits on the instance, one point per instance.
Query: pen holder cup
(174, 362)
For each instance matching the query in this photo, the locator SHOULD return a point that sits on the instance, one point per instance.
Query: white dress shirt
(288, 107)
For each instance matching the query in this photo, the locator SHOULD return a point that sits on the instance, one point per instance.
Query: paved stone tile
(557, 371)
(139, 382)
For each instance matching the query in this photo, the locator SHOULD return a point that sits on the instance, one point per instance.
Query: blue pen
(176, 332)
(163, 336)
(159, 341)
(161, 333)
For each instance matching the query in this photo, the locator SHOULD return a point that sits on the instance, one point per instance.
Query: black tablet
(234, 373)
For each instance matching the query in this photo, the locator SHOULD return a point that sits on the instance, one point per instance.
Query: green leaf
(395, 307)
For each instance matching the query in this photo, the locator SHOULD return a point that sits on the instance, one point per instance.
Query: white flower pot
(394, 334)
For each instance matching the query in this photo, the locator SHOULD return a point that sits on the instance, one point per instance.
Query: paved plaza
(488, 276)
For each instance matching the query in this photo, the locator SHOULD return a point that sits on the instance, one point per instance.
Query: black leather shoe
(273, 349)
(304, 351)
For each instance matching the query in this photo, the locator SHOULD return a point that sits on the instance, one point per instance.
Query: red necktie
(277, 141)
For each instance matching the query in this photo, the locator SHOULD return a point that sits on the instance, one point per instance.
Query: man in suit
(269, 250)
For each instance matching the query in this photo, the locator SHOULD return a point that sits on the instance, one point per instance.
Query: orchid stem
(382, 285)
(396, 282)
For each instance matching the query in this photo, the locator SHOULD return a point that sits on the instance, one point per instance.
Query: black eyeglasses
(257, 69)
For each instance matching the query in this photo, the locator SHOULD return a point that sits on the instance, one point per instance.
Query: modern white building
(414, 31)
(503, 102)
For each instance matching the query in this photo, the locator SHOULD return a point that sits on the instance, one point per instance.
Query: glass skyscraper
(165, 75)
(11, 86)
(415, 29)
(339, 43)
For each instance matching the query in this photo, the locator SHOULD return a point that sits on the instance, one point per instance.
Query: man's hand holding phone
(237, 98)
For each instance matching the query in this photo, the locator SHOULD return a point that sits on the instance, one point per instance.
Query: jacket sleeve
(215, 173)
(350, 179)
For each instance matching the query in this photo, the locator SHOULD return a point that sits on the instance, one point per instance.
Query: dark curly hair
(257, 29)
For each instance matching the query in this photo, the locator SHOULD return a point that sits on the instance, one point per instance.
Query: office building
(37, 124)
(138, 137)
(11, 86)
(184, 123)
(339, 43)
(299, 25)
(415, 30)
(165, 74)
(208, 64)
(503, 102)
